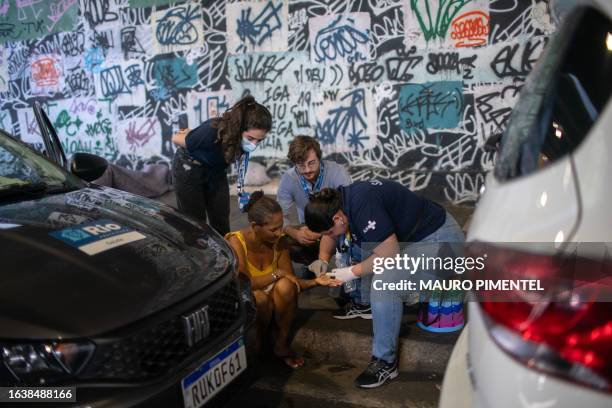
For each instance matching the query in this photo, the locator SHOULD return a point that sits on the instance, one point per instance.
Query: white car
(551, 184)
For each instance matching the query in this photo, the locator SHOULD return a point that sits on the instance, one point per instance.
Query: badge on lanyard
(345, 248)
(317, 186)
(242, 164)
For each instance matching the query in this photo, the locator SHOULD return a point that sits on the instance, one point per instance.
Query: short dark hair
(299, 147)
(260, 208)
(321, 208)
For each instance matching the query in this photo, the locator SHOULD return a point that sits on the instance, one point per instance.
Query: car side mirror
(88, 166)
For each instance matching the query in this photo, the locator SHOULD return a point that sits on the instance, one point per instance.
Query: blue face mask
(247, 146)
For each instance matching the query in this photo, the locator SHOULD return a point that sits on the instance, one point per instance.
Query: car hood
(55, 283)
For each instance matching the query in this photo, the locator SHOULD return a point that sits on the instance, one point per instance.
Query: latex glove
(342, 274)
(318, 267)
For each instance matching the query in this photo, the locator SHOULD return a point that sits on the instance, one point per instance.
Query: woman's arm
(326, 248)
(286, 270)
(258, 282)
(179, 137)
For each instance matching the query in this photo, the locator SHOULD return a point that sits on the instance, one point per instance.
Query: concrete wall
(404, 89)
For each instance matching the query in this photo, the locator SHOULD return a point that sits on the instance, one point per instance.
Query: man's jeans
(361, 294)
(388, 306)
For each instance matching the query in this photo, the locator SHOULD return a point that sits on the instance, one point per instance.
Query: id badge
(243, 200)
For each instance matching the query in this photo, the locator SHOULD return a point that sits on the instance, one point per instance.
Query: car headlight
(40, 363)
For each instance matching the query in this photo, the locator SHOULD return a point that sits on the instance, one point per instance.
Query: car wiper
(60, 188)
(24, 189)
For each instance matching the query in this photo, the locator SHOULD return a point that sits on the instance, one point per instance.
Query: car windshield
(23, 171)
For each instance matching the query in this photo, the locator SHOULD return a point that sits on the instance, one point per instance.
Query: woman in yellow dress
(263, 256)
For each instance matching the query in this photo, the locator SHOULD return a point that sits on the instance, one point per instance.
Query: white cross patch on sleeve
(371, 226)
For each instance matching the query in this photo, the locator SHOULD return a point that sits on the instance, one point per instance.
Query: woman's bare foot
(289, 357)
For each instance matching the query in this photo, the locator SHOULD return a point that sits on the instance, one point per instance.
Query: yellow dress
(252, 269)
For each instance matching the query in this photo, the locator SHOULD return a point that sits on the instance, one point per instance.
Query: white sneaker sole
(391, 376)
(348, 317)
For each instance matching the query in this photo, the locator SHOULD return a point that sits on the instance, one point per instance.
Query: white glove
(318, 267)
(342, 274)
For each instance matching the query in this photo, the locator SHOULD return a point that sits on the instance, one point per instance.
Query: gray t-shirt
(290, 190)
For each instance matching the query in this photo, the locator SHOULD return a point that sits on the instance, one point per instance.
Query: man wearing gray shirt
(309, 175)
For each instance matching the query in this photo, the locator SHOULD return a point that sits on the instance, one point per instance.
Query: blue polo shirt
(202, 145)
(376, 209)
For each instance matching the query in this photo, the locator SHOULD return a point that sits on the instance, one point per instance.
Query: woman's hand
(327, 281)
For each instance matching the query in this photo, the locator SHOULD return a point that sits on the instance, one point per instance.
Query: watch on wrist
(275, 276)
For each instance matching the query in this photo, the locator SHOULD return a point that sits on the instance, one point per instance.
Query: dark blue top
(202, 145)
(376, 209)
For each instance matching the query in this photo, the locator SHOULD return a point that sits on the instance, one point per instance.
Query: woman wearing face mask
(199, 166)
(263, 256)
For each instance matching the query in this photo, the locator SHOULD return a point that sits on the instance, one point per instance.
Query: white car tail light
(565, 329)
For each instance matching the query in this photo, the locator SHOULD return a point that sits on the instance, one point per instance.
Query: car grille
(154, 351)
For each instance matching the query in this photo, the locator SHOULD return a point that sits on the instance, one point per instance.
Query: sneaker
(353, 310)
(376, 374)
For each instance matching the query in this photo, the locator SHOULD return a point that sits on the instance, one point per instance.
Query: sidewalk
(337, 351)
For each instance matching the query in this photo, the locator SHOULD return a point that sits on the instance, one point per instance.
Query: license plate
(210, 378)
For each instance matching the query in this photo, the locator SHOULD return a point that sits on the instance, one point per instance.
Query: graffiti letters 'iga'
(27, 19)
(257, 26)
(343, 37)
(46, 74)
(428, 23)
(349, 123)
(178, 28)
(432, 105)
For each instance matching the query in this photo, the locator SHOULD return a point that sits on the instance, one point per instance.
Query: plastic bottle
(342, 261)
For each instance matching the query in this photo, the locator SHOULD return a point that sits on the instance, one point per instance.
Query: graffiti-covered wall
(406, 89)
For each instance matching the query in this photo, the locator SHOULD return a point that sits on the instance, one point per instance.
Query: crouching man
(309, 175)
(383, 214)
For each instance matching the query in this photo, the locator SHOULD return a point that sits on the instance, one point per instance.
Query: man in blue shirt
(382, 213)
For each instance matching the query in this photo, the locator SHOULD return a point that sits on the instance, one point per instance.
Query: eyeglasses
(310, 165)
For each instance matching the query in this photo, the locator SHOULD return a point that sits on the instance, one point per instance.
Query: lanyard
(317, 186)
(241, 169)
(346, 246)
